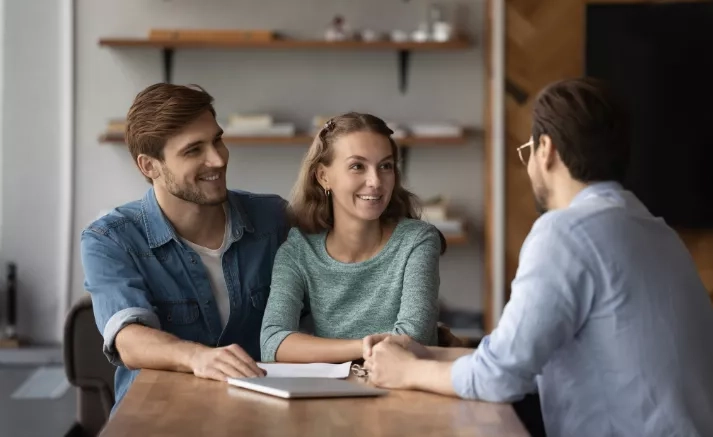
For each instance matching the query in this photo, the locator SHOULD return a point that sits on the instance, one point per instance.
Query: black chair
(88, 370)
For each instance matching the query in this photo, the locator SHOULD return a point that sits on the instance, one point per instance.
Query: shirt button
(207, 302)
(193, 260)
(169, 318)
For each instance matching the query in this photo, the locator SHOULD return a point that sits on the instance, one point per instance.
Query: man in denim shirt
(179, 279)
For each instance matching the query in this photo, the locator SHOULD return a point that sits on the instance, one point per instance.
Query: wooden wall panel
(545, 43)
(488, 182)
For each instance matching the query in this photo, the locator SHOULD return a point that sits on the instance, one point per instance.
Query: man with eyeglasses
(608, 319)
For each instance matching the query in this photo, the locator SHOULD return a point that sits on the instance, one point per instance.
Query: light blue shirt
(608, 320)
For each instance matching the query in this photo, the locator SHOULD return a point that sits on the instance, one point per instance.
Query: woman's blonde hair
(311, 208)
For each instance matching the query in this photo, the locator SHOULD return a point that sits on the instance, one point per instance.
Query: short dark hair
(589, 128)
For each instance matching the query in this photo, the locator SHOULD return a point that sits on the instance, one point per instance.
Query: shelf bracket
(403, 158)
(404, 62)
(167, 64)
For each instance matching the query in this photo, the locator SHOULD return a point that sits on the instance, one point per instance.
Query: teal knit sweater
(395, 291)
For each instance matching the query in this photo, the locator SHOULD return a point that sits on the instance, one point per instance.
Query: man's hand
(388, 365)
(404, 341)
(224, 362)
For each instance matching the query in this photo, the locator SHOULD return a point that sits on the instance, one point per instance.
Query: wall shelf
(306, 140)
(282, 44)
(456, 239)
(403, 49)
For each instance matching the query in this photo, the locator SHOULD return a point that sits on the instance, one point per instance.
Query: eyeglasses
(525, 156)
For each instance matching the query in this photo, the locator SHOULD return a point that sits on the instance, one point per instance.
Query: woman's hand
(404, 341)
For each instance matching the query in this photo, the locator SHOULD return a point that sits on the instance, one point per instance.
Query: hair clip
(329, 125)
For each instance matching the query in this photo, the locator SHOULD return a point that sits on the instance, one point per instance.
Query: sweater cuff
(269, 348)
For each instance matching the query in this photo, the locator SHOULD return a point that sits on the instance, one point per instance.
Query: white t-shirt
(213, 262)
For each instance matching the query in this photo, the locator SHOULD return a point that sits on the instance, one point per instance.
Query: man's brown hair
(161, 111)
(588, 125)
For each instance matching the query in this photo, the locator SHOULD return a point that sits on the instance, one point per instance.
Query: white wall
(31, 165)
(294, 86)
(2, 87)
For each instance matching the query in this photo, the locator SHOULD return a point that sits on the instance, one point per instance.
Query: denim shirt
(138, 270)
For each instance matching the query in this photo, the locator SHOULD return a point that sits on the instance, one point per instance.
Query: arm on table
(547, 307)
(280, 339)
(392, 366)
(551, 298)
(130, 327)
(434, 353)
(418, 313)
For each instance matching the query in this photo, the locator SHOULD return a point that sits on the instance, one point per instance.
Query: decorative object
(399, 36)
(439, 29)
(369, 35)
(436, 129)
(420, 35)
(338, 30)
(256, 125)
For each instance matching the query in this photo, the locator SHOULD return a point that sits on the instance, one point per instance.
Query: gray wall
(31, 187)
(2, 111)
(293, 85)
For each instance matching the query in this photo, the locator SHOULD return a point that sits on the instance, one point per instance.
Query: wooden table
(176, 404)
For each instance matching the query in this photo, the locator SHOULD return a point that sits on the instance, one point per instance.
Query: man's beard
(540, 205)
(189, 193)
(541, 194)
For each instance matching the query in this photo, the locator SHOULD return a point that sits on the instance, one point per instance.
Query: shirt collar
(595, 189)
(159, 230)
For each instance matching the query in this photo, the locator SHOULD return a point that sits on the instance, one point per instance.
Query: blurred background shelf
(277, 44)
(306, 140)
(403, 49)
(456, 239)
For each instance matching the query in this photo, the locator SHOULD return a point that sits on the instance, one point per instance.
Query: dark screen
(659, 59)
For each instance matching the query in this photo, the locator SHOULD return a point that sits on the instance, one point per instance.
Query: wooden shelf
(306, 140)
(8, 343)
(278, 44)
(456, 239)
(403, 49)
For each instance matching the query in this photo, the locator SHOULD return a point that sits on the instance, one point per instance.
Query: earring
(330, 206)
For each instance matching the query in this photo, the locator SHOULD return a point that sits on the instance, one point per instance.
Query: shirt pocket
(176, 313)
(258, 298)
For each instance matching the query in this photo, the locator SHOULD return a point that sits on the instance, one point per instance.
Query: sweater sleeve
(418, 314)
(284, 305)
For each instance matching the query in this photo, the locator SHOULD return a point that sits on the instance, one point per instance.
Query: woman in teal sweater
(358, 261)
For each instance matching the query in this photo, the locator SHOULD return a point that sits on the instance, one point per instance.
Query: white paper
(312, 370)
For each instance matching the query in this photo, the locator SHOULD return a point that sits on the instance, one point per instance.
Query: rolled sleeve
(119, 293)
(118, 321)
